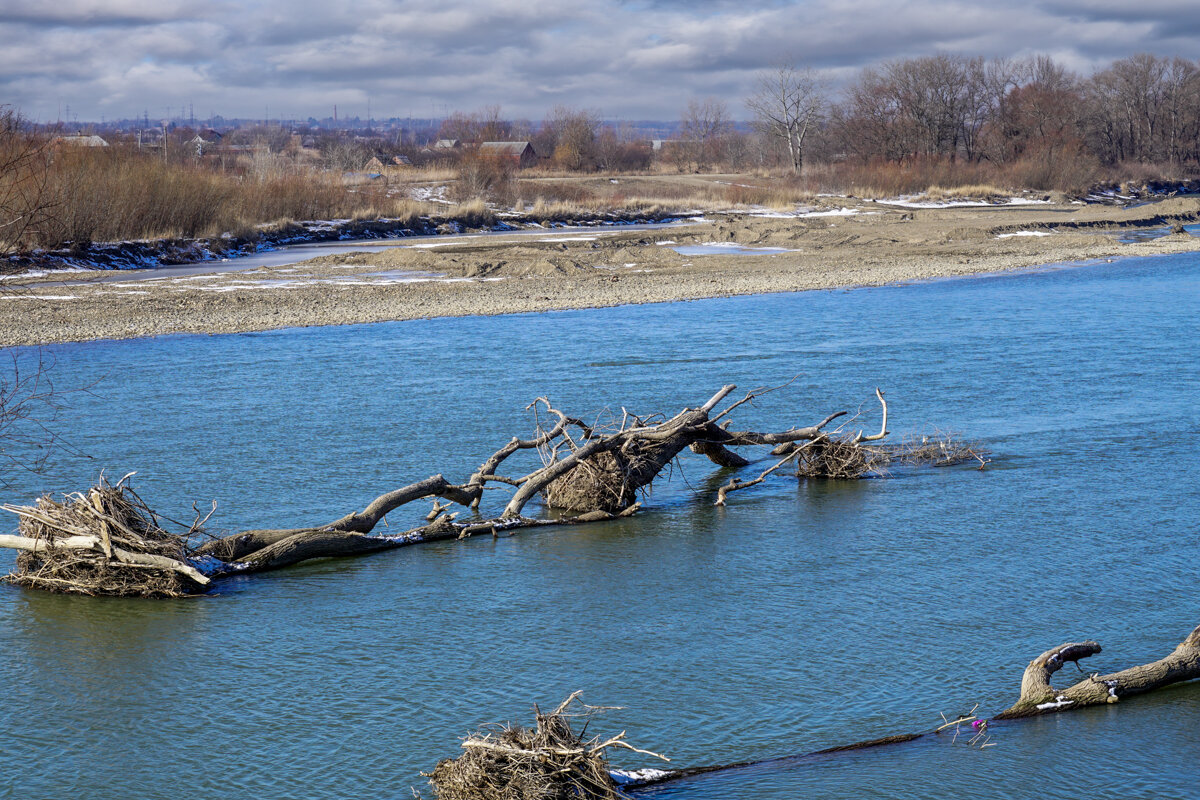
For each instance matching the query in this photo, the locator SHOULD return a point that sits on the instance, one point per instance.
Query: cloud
(626, 58)
(101, 13)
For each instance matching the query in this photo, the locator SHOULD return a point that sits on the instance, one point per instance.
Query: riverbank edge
(155, 253)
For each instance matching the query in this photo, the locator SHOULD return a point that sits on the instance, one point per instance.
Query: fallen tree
(586, 473)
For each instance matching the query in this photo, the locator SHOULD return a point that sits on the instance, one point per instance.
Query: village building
(81, 140)
(519, 154)
(204, 142)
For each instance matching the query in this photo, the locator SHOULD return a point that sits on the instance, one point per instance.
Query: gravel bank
(871, 244)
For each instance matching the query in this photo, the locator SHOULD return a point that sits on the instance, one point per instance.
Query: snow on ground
(39, 297)
(42, 273)
(1023, 233)
(805, 212)
(429, 194)
(912, 201)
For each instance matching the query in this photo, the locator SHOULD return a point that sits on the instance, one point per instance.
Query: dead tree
(592, 472)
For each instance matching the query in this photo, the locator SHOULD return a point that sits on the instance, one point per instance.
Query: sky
(89, 60)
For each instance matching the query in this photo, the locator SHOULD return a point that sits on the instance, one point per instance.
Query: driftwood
(588, 473)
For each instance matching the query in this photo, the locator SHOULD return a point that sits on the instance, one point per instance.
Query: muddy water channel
(797, 618)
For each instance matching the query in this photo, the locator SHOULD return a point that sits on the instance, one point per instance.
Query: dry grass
(474, 213)
(977, 191)
(117, 196)
(778, 193)
(428, 173)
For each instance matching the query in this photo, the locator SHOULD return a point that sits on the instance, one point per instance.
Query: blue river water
(801, 616)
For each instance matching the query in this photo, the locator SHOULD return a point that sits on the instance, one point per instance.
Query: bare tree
(26, 201)
(788, 104)
(95, 542)
(570, 134)
(484, 125)
(29, 407)
(703, 128)
(1133, 105)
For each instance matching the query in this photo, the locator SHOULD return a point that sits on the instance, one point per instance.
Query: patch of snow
(429, 194)
(624, 777)
(404, 538)
(39, 297)
(1058, 702)
(665, 242)
(808, 212)
(41, 273)
(1023, 233)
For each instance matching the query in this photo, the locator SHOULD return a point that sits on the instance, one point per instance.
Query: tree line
(1033, 112)
(1142, 109)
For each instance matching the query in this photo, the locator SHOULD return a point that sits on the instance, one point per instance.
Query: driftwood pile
(551, 761)
(107, 541)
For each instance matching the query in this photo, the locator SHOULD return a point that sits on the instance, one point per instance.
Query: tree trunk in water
(1039, 697)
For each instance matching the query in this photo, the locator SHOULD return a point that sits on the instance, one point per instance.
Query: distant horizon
(222, 120)
(93, 60)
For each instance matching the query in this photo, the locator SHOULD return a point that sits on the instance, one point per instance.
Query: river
(797, 618)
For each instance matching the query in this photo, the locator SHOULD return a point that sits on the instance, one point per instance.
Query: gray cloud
(625, 58)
